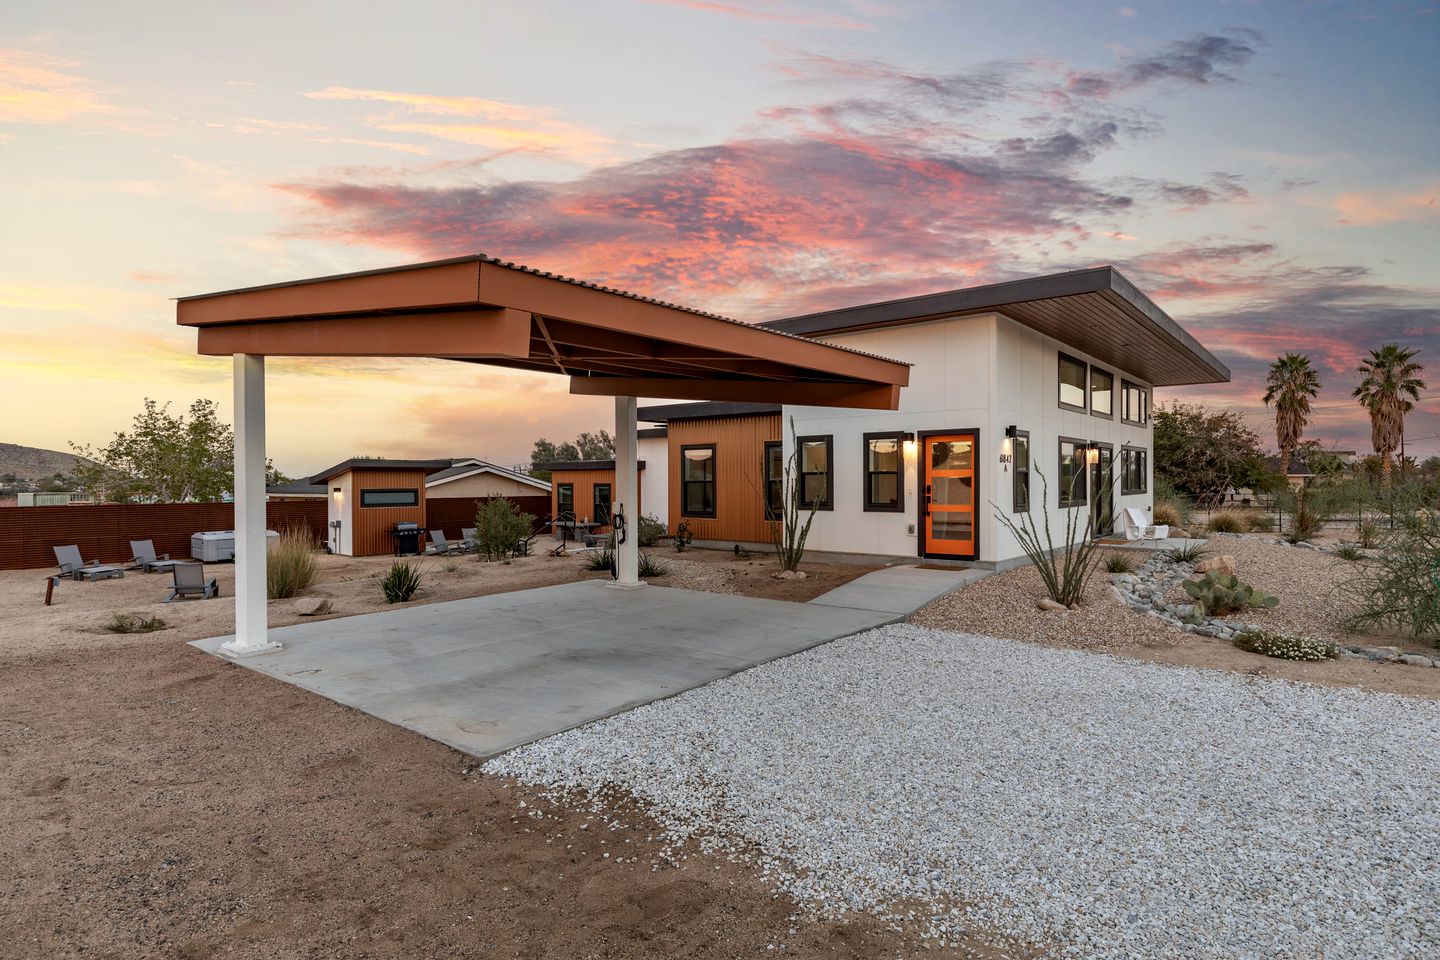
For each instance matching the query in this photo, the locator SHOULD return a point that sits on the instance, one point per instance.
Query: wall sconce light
(910, 447)
(1092, 455)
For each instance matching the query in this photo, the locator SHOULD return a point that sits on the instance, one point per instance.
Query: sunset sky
(1267, 171)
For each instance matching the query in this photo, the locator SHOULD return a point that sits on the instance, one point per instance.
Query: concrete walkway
(487, 674)
(898, 591)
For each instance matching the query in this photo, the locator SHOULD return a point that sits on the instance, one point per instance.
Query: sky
(1267, 171)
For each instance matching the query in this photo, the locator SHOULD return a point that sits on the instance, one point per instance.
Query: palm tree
(1291, 386)
(1389, 386)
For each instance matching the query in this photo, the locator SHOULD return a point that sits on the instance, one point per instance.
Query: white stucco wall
(980, 373)
(339, 509)
(655, 478)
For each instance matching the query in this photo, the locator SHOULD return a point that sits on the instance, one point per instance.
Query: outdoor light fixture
(1092, 454)
(910, 447)
(1012, 431)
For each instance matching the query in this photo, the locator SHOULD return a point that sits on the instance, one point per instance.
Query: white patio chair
(1139, 527)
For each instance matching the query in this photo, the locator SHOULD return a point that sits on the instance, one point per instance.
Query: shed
(367, 498)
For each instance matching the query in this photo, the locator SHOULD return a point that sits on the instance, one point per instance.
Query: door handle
(927, 499)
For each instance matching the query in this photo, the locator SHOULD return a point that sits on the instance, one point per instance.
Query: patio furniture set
(189, 577)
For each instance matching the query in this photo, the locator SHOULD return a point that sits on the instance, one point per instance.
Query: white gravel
(1105, 807)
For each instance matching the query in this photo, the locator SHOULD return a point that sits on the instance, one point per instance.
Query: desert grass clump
(1119, 563)
(1284, 646)
(600, 559)
(1169, 511)
(400, 581)
(1230, 521)
(650, 568)
(291, 566)
(1349, 551)
(134, 623)
(1191, 551)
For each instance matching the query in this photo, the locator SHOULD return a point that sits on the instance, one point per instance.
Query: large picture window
(816, 472)
(1072, 383)
(697, 481)
(390, 498)
(774, 466)
(885, 472)
(1020, 447)
(1136, 403)
(1102, 393)
(565, 499)
(602, 504)
(1134, 470)
(1072, 472)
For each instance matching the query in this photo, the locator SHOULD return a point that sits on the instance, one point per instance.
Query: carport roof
(479, 309)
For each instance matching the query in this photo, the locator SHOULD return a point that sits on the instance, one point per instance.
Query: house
(1031, 397)
(44, 498)
(472, 477)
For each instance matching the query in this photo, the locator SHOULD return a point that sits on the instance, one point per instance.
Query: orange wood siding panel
(369, 525)
(739, 481)
(584, 482)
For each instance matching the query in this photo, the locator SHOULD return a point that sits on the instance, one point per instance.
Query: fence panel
(452, 514)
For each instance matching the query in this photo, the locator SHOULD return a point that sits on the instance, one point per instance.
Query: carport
(478, 309)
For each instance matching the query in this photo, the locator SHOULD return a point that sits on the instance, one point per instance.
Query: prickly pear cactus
(1217, 594)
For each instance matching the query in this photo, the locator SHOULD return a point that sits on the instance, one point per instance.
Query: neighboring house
(368, 497)
(295, 490)
(1027, 397)
(584, 490)
(52, 499)
(478, 478)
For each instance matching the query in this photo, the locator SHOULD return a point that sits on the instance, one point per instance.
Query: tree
(165, 458)
(1203, 452)
(1389, 386)
(1291, 386)
(596, 446)
(587, 446)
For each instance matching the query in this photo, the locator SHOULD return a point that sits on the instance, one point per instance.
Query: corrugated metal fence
(104, 531)
(453, 514)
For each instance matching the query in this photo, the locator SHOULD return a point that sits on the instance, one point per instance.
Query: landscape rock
(1045, 603)
(1415, 660)
(312, 606)
(789, 575)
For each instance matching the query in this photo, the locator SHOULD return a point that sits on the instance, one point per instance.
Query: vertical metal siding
(369, 524)
(739, 480)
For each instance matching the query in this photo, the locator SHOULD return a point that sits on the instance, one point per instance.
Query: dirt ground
(81, 610)
(160, 802)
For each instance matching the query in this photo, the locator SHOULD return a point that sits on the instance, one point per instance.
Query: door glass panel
(954, 491)
(950, 455)
(950, 526)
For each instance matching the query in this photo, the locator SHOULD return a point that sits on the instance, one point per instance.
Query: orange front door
(949, 500)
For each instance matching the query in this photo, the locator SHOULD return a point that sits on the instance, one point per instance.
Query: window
(1134, 470)
(1136, 400)
(1102, 393)
(1020, 453)
(815, 472)
(1072, 383)
(697, 481)
(885, 472)
(389, 498)
(774, 467)
(1072, 472)
(602, 504)
(564, 499)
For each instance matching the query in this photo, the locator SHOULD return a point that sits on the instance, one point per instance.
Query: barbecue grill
(406, 535)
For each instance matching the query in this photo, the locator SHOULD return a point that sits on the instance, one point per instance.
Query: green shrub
(1307, 516)
(1118, 563)
(134, 623)
(502, 529)
(1398, 587)
(1264, 522)
(1229, 521)
(650, 568)
(400, 582)
(1190, 551)
(1349, 551)
(682, 537)
(291, 566)
(1284, 646)
(651, 531)
(1367, 534)
(1217, 594)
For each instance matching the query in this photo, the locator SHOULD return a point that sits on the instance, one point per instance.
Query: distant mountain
(33, 463)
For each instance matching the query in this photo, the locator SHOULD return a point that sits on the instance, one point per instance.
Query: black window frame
(1125, 387)
(774, 506)
(1090, 394)
(595, 502)
(1143, 470)
(413, 491)
(1015, 484)
(561, 491)
(1083, 446)
(685, 484)
(870, 506)
(829, 440)
(1062, 359)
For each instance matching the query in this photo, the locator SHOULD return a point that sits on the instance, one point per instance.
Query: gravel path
(1111, 808)
(1306, 581)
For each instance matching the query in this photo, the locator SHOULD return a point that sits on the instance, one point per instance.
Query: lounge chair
(143, 557)
(439, 545)
(75, 567)
(467, 534)
(190, 582)
(1139, 527)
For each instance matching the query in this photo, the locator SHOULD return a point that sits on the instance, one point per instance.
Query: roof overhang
(1095, 311)
(361, 463)
(670, 412)
(481, 310)
(465, 471)
(558, 466)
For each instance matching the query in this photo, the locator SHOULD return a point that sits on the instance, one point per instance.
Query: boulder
(1415, 660)
(1224, 565)
(1045, 603)
(312, 606)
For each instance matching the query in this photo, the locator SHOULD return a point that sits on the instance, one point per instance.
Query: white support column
(627, 493)
(250, 544)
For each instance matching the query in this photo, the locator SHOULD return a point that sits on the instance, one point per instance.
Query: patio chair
(439, 545)
(75, 567)
(467, 535)
(190, 583)
(1139, 527)
(143, 557)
